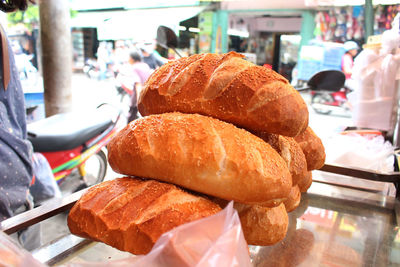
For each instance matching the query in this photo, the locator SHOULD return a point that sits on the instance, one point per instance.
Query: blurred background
(70, 55)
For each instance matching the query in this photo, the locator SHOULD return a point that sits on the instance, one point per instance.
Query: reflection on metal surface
(397, 211)
(39, 214)
(294, 251)
(360, 196)
(362, 173)
(329, 231)
(60, 249)
(333, 226)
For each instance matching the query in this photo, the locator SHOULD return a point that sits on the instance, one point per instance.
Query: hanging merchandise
(332, 25)
(390, 14)
(341, 27)
(379, 20)
(358, 22)
(339, 24)
(349, 23)
(384, 16)
(318, 21)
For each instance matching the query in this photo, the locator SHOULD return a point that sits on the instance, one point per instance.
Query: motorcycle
(124, 85)
(73, 143)
(91, 69)
(328, 91)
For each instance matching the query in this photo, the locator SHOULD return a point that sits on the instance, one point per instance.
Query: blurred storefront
(272, 34)
(267, 40)
(269, 33)
(336, 24)
(124, 21)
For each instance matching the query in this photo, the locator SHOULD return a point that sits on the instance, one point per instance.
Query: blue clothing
(152, 61)
(15, 149)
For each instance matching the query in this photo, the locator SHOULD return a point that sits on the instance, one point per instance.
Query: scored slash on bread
(130, 214)
(290, 151)
(228, 88)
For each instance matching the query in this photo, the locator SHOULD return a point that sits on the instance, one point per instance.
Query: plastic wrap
(45, 186)
(12, 254)
(375, 95)
(213, 241)
(355, 150)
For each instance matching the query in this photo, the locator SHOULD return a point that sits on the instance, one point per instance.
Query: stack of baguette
(216, 128)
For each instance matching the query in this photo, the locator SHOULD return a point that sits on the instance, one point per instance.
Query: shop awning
(280, 6)
(138, 25)
(348, 3)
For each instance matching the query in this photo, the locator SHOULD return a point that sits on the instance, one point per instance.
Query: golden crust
(293, 200)
(312, 148)
(130, 214)
(227, 88)
(202, 154)
(263, 226)
(305, 183)
(290, 151)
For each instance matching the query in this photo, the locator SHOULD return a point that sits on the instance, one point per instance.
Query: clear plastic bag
(45, 187)
(212, 241)
(11, 254)
(356, 150)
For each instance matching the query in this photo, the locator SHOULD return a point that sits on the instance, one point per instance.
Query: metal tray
(333, 225)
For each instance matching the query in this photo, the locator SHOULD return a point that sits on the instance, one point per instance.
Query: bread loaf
(293, 200)
(130, 214)
(228, 88)
(290, 151)
(305, 183)
(262, 226)
(312, 148)
(202, 154)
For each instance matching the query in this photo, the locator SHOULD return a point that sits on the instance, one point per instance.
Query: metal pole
(56, 44)
(369, 19)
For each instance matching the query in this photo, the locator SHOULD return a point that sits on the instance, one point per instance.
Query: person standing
(15, 150)
(16, 153)
(151, 59)
(351, 50)
(140, 72)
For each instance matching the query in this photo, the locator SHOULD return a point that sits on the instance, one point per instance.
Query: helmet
(350, 45)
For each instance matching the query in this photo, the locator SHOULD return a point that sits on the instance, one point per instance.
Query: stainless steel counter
(333, 226)
(336, 226)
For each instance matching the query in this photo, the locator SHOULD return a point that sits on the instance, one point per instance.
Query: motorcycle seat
(66, 131)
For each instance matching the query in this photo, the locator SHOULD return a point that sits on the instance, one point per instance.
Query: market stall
(217, 162)
(341, 224)
(333, 225)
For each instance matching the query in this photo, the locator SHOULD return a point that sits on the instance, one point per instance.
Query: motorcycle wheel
(93, 74)
(321, 99)
(95, 168)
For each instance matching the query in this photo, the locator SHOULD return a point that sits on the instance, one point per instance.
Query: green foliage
(29, 17)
